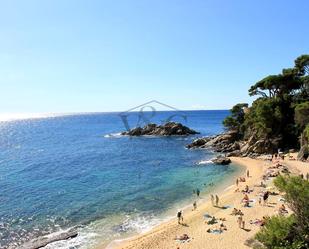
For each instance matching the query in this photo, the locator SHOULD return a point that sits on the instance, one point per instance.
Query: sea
(76, 171)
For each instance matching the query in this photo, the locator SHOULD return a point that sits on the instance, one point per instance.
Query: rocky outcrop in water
(168, 129)
(220, 143)
(45, 240)
(221, 160)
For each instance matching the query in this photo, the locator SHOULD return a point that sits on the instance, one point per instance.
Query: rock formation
(168, 129)
(221, 160)
(229, 144)
(45, 240)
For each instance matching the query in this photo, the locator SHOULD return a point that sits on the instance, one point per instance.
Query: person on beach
(179, 217)
(237, 212)
(248, 174)
(265, 197)
(194, 205)
(198, 192)
(222, 227)
(217, 200)
(212, 199)
(246, 189)
(239, 221)
(246, 200)
(237, 182)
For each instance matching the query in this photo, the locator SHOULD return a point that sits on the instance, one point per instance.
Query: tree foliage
(281, 110)
(302, 114)
(276, 85)
(276, 231)
(290, 232)
(237, 117)
(297, 195)
(307, 132)
(302, 64)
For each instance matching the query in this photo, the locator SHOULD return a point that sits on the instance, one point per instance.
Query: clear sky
(78, 56)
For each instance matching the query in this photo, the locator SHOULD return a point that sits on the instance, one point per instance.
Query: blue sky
(78, 56)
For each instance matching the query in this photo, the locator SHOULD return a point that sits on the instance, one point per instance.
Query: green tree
(307, 132)
(276, 231)
(296, 192)
(302, 64)
(302, 114)
(276, 85)
(302, 120)
(237, 117)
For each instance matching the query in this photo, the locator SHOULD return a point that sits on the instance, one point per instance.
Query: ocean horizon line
(7, 117)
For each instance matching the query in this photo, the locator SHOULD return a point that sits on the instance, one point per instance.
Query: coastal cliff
(277, 120)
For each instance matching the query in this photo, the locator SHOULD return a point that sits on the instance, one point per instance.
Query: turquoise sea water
(60, 172)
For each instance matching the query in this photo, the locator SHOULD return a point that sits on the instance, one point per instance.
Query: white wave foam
(140, 224)
(113, 135)
(204, 162)
(83, 240)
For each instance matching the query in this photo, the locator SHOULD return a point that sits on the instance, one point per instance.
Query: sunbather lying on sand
(183, 237)
(212, 221)
(262, 184)
(257, 222)
(219, 229)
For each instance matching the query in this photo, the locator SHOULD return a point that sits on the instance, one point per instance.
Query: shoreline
(221, 190)
(184, 205)
(163, 235)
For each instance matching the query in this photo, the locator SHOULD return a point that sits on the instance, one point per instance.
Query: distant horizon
(23, 116)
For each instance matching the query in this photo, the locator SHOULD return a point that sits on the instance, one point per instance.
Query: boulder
(168, 129)
(221, 160)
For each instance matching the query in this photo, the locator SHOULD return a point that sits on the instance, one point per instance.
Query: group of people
(214, 200)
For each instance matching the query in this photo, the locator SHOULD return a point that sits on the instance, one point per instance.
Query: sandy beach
(195, 224)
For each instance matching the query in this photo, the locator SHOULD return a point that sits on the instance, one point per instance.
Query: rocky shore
(229, 144)
(167, 129)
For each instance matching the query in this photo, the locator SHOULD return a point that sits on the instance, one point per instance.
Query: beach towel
(215, 231)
